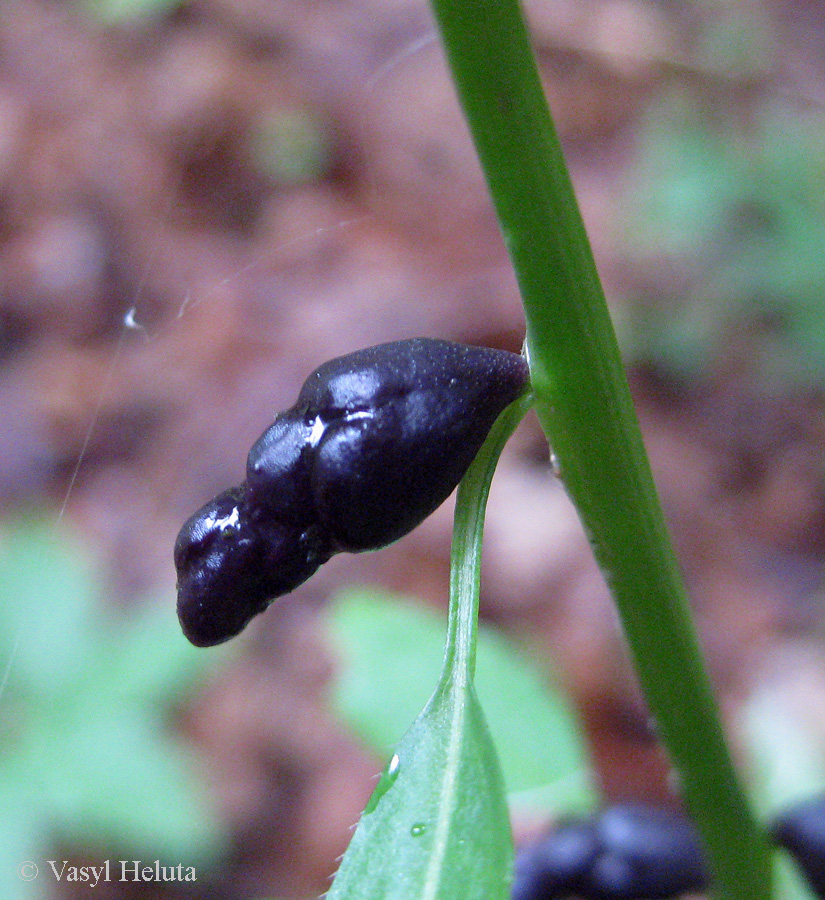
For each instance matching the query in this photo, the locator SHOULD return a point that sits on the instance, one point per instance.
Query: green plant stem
(584, 405)
(465, 557)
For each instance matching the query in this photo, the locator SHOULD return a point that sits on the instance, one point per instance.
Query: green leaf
(537, 735)
(384, 680)
(22, 840)
(86, 754)
(144, 658)
(436, 826)
(47, 613)
(120, 783)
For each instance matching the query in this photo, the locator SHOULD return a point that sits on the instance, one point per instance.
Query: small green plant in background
(739, 213)
(88, 762)
(291, 147)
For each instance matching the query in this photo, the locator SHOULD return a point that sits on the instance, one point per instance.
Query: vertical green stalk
(437, 825)
(465, 556)
(584, 405)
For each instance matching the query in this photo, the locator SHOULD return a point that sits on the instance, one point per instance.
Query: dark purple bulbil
(647, 852)
(231, 564)
(375, 442)
(629, 851)
(557, 865)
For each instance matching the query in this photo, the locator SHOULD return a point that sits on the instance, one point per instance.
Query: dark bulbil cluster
(639, 852)
(375, 442)
(627, 852)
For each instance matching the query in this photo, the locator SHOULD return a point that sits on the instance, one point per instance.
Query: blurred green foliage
(88, 760)
(291, 147)
(126, 12)
(729, 220)
(732, 44)
(391, 653)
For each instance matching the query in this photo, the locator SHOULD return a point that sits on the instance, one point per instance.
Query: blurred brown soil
(165, 286)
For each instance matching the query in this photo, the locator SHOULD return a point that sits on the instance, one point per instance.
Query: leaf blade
(438, 825)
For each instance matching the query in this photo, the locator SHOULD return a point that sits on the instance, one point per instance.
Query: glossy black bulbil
(801, 831)
(627, 852)
(232, 562)
(375, 442)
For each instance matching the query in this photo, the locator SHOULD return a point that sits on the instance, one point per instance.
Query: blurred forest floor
(201, 201)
